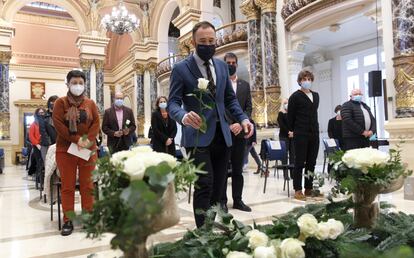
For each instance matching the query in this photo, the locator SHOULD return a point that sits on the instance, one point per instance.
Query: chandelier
(120, 21)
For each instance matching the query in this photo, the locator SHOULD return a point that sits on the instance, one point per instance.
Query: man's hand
(370, 133)
(118, 134)
(290, 134)
(235, 128)
(168, 142)
(83, 143)
(248, 128)
(125, 131)
(38, 146)
(366, 134)
(192, 119)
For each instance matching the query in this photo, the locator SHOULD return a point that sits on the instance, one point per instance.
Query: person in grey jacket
(358, 123)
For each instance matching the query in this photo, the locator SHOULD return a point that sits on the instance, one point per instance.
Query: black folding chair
(331, 146)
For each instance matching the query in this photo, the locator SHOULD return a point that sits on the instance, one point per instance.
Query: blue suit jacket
(184, 79)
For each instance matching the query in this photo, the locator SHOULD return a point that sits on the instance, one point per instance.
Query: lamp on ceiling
(120, 21)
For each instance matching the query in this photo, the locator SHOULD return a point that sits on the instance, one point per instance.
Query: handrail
(167, 58)
(231, 24)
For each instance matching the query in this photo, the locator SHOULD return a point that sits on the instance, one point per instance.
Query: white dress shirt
(203, 69)
(367, 117)
(234, 84)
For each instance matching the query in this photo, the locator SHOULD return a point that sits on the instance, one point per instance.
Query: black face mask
(232, 69)
(206, 52)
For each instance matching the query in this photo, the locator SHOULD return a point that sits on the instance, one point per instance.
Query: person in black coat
(358, 123)
(46, 128)
(242, 90)
(284, 133)
(164, 128)
(335, 127)
(251, 142)
(303, 122)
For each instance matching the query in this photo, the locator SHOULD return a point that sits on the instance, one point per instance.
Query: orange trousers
(68, 165)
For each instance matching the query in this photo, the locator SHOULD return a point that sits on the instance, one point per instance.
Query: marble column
(5, 57)
(139, 78)
(99, 65)
(152, 68)
(271, 60)
(86, 65)
(252, 12)
(403, 30)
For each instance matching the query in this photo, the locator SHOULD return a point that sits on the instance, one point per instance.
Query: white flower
(323, 231)
(257, 238)
(127, 122)
(121, 156)
(335, 228)
(134, 167)
(235, 254)
(308, 224)
(364, 158)
(140, 149)
(292, 248)
(203, 83)
(264, 252)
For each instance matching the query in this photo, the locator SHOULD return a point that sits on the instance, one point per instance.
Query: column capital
(151, 67)
(86, 63)
(139, 68)
(267, 6)
(99, 64)
(249, 9)
(5, 56)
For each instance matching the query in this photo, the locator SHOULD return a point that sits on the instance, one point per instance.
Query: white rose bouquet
(366, 166)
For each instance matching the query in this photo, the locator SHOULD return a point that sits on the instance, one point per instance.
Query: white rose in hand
(264, 252)
(257, 238)
(236, 254)
(308, 224)
(203, 83)
(292, 248)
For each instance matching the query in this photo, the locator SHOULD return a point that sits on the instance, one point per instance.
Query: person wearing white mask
(163, 127)
(76, 120)
(335, 127)
(358, 123)
(118, 124)
(303, 122)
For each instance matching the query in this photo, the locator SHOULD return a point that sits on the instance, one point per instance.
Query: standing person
(46, 127)
(35, 139)
(164, 128)
(284, 133)
(250, 149)
(118, 124)
(335, 127)
(358, 123)
(242, 90)
(211, 147)
(76, 120)
(303, 122)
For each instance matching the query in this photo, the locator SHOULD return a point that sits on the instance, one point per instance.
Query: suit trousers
(306, 152)
(355, 143)
(237, 162)
(208, 188)
(119, 145)
(68, 164)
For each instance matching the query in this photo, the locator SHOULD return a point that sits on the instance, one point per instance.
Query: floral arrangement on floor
(367, 172)
(137, 197)
(313, 231)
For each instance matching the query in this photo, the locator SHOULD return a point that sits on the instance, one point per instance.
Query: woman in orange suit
(76, 120)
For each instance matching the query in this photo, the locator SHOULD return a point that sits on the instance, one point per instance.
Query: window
(370, 60)
(353, 82)
(352, 64)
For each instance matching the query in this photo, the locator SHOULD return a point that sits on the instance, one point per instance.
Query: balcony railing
(167, 64)
(232, 32)
(227, 34)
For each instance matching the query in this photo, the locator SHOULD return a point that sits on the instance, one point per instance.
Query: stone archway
(163, 24)
(77, 12)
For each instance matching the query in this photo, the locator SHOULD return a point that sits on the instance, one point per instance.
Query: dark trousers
(355, 143)
(290, 148)
(209, 187)
(118, 146)
(251, 150)
(237, 162)
(306, 152)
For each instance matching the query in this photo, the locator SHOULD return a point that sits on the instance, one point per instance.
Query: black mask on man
(232, 69)
(206, 52)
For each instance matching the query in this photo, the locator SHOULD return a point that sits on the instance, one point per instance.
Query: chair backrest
(273, 150)
(25, 152)
(331, 145)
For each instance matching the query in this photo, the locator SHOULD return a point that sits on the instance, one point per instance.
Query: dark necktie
(211, 85)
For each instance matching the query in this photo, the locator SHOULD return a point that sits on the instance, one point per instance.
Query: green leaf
(159, 176)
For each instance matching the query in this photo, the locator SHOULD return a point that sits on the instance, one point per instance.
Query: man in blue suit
(212, 147)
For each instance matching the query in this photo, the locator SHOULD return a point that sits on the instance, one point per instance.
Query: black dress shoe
(224, 208)
(67, 228)
(241, 206)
